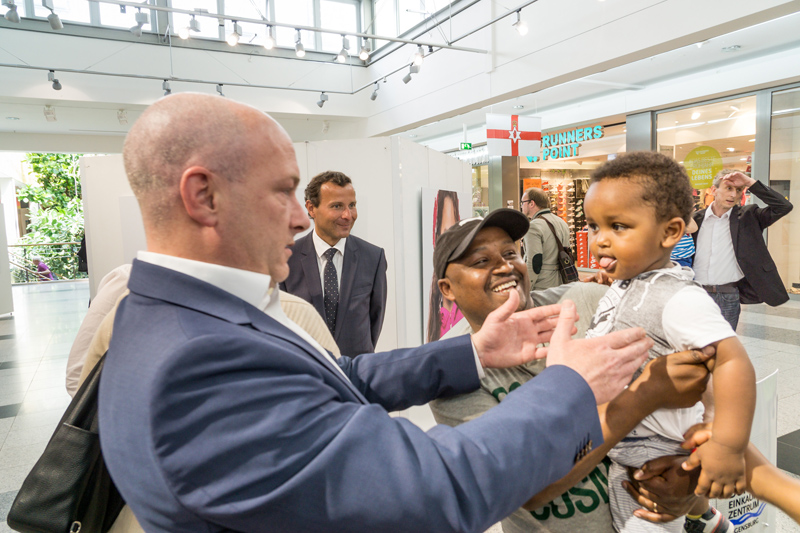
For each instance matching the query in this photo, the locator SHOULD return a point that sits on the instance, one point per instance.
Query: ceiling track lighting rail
(170, 79)
(315, 29)
(414, 65)
(407, 77)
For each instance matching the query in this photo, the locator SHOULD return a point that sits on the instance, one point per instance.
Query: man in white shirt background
(732, 261)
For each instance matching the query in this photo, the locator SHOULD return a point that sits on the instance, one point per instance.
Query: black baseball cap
(452, 244)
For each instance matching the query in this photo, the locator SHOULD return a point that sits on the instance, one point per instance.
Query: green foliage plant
(60, 218)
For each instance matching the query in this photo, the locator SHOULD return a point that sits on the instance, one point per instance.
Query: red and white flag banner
(513, 135)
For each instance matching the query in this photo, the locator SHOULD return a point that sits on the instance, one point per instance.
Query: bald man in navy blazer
(359, 268)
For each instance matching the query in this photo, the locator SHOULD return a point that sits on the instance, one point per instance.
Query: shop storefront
(756, 133)
(708, 138)
(567, 160)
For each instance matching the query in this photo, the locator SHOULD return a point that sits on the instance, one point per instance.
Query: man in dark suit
(732, 261)
(351, 270)
(218, 413)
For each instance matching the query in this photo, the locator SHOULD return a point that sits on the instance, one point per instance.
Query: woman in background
(442, 313)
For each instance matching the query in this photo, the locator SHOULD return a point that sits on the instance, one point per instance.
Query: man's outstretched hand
(509, 339)
(607, 363)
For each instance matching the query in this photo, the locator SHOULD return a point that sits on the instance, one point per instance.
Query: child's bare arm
(765, 481)
(722, 457)
(674, 381)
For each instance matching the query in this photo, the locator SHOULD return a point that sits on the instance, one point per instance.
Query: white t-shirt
(688, 319)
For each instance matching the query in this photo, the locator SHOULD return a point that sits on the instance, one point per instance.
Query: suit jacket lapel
(266, 324)
(699, 217)
(311, 273)
(349, 269)
(735, 210)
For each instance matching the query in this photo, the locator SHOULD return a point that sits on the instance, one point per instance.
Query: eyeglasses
(524, 202)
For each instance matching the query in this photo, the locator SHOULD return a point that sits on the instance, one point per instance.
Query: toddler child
(636, 210)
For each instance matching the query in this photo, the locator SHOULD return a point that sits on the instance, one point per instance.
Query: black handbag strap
(82, 410)
(561, 244)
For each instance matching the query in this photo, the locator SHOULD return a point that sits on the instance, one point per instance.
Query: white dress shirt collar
(252, 287)
(321, 246)
(710, 213)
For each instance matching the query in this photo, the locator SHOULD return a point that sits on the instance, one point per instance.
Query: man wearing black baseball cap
(471, 241)
(478, 265)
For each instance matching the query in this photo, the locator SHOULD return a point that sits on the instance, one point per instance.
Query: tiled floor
(35, 342)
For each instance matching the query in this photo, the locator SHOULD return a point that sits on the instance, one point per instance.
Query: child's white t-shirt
(689, 319)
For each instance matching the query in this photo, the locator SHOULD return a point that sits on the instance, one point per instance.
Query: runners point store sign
(566, 143)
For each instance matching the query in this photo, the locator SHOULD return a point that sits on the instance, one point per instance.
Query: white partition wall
(387, 174)
(113, 223)
(6, 299)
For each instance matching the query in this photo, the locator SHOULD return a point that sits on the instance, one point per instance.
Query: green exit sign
(466, 146)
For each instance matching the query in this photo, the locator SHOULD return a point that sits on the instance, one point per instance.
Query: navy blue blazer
(362, 294)
(761, 281)
(215, 417)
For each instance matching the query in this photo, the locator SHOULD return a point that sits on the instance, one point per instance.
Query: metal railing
(61, 259)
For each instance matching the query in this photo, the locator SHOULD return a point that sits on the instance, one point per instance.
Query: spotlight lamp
(186, 31)
(298, 45)
(167, 89)
(234, 35)
(363, 55)
(55, 21)
(342, 56)
(414, 69)
(52, 18)
(322, 99)
(419, 56)
(269, 41)
(11, 15)
(141, 20)
(374, 94)
(51, 76)
(407, 77)
(520, 25)
(219, 89)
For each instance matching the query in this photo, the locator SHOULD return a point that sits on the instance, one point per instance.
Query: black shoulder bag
(566, 263)
(69, 489)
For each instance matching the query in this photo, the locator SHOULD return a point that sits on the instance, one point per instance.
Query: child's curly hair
(665, 184)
